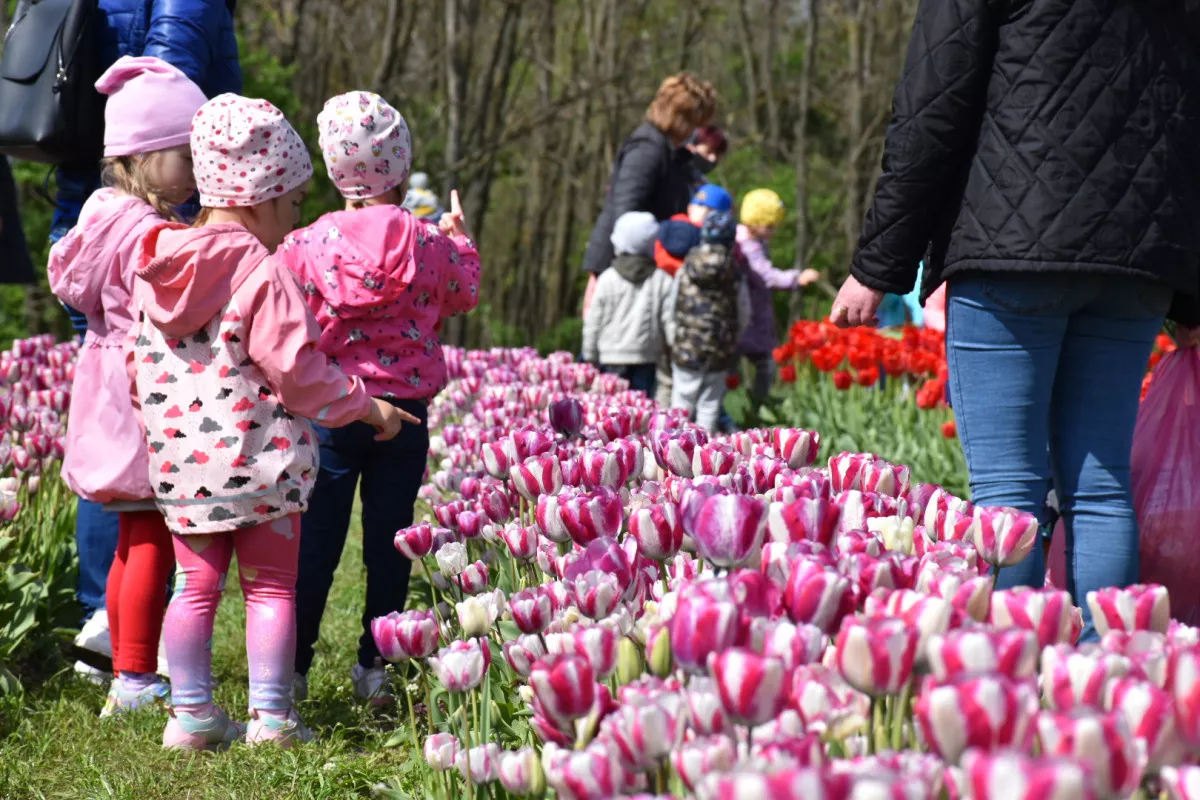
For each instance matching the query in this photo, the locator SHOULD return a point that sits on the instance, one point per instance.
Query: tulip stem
(412, 718)
(874, 736)
(666, 578)
(995, 576)
(900, 716)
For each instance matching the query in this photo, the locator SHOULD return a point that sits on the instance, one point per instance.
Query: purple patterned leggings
(267, 557)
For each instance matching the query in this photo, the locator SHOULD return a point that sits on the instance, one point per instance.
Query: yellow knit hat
(762, 208)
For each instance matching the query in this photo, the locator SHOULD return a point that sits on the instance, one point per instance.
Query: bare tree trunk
(774, 143)
(855, 97)
(747, 44)
(800, 154)
(455, 84)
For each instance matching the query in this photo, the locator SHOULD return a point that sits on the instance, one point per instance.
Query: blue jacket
(197, 36)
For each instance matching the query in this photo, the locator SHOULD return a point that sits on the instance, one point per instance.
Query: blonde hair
(128, 174)
(682, 104)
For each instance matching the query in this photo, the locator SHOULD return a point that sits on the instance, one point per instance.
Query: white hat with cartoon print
(366, 144)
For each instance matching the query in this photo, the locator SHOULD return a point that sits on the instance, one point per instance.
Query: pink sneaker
(186, 731)
(270, 728)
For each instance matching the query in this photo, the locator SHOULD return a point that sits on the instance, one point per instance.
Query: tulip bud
(629, 662)
(658, 653)
(472, 617)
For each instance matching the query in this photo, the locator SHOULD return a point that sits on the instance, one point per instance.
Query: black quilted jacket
(1043, 136)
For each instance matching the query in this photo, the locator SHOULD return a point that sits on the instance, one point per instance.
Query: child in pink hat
(227, 375)
(379, 281)
(147, 168)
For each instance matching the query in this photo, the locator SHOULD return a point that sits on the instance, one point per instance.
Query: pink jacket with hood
(226, 373)
(380, 281)
(91, 269)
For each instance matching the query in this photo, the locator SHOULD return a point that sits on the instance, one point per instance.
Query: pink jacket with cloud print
(226, 373)
(380, 281)
(91, 269)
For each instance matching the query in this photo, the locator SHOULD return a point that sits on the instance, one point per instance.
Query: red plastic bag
(1166, 481)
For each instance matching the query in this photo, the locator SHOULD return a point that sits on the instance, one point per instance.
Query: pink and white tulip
(876, 655)
(729, 529)
(1009, 775)
(1046, 612)
(1011, 652)
(751, 687)
(988, 712)
(1003, 536)
(1135, 608)
(1103, 740)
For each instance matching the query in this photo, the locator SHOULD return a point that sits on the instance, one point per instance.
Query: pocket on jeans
(1029, 294)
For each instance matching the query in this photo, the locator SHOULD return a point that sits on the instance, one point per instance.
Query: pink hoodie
(91, 269)
(380, 281)
(224, 357)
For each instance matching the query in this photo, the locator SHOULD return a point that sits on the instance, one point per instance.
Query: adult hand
(807, 277)
(855, 305)
(453, 223)
(387, 420)
(1187, 336)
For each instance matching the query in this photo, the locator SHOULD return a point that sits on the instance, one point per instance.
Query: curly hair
(682, 104)
(128, 174)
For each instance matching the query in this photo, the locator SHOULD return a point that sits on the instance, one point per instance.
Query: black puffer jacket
(648, 175)
(1043, 135)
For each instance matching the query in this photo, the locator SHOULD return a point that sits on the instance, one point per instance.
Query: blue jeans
(96, 530)
(391, 474)
(1046, 372)
(641, 377)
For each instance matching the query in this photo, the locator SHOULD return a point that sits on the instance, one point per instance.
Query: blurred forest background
(522, 105)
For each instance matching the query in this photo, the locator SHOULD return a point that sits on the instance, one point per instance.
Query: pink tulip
(989, 712)
(658, 530)
(447, 514)
(416, 542)
(470, 524)
(522, 653)
(824, 701)
(495, 505)
(797, 447)
(1046, 612)
(940, 501)
(729, 529)
(603, 468)
(706, 716)
(1181, 783)
(714, 459)
(549, 516)
(970, 594)
(868, 573)
(952, 525)
(479, 765)
(1072, 679)
(751, 686)
(1149, 714)
(564, 685)
(700, 627)
(764, 471)
(537, 476)
(473, 579)
(1008, 775)
(383, 630)
(811, 519)
(793, 752)
(521, 541)
(521, 771)
(440, 751)
(572, 471)
(701, 757)
(816, 595)
(598, 644)
(591, 774)
(605, 555)
(876, 656)
(20, 459)
(674, 450)
(596, 593)
(531, 610)
(565, 416)
(867, 473)
(788, 784)
(1011, 652)
(930, 615)
(461, 666)
(591, 516)
(1183, 684)
(496, 460)
(1134, 608)
(416, 633)
(645, 734)
(1003, 536)
(794, 645)
(1092, 737)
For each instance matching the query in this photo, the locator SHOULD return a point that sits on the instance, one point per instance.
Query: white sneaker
(95, 637)
(91, 674)
(373, 685)
(299, 688)
(162, 657)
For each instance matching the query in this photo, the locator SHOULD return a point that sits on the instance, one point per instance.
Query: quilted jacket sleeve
(936, 114)
(184, 32)
(634, 183)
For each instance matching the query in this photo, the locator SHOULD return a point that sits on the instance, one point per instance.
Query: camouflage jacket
(707, 324)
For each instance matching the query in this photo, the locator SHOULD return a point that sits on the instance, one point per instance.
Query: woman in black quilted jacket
(1046, 155)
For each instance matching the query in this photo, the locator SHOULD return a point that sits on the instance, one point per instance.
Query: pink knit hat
(244, 152)
(150, 106)
(366, 144)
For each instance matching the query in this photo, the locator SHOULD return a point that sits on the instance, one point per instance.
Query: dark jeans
(391, 473)
(641, 377)
(1052, 365)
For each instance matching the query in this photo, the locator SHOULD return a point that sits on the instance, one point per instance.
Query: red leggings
(137, 590)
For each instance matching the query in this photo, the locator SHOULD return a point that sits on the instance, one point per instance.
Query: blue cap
(712, 196)
(719, 228)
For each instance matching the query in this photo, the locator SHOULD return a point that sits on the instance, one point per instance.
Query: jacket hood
(371, 248)
(678, 235)
(634, 268)
(192, 273)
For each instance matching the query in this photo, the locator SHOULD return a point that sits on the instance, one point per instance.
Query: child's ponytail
(128, 174)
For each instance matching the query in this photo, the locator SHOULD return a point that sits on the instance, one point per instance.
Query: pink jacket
(91, 269)
(380, 281)
(223, 362)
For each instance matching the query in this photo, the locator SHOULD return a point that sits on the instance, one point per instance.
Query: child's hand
(807, 277)
(453, 223)
(387, 419)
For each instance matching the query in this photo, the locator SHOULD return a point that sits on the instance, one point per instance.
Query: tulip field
(610, 602)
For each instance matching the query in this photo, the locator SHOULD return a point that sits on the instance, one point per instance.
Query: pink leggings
(267, 556)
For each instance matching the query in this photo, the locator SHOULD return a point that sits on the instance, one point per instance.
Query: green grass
(54, 745)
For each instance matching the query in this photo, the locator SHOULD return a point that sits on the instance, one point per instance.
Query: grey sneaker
(269, 728)
(186, 731)
(372, 685)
